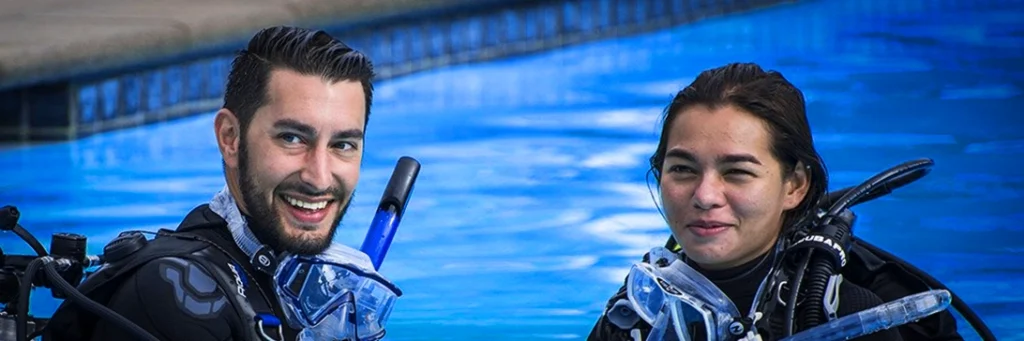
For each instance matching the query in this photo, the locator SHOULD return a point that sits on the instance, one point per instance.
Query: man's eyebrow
(308, 130)
(348, 134)
(290, 124)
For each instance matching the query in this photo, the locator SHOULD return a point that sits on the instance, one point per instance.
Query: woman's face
(724, 193)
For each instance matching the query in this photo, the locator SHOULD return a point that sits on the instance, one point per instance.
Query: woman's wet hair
(768, 96)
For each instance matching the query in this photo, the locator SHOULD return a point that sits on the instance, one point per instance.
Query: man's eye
(290, 138)
(345, 145)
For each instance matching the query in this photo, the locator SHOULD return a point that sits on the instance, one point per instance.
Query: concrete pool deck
(45, 40)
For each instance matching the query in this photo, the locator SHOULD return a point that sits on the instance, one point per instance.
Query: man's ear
(228, 130)
(796, 185)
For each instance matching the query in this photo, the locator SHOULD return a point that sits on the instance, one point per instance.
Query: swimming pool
(532, 201)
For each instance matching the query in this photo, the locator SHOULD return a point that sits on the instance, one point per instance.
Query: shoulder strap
(71, 322)
(259, 309)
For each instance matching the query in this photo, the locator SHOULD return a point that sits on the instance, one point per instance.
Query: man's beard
(267, 225)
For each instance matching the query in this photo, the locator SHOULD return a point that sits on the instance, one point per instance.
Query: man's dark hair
(305, 51)
(770, 97)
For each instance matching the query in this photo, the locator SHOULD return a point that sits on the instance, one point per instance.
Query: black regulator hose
(879, 185)
(21, 321)
(47, 263)
(96, 308)
(835, 235)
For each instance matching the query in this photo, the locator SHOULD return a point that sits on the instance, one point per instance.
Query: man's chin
(305, 238)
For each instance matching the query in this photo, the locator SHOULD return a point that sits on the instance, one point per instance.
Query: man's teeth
(319, 205)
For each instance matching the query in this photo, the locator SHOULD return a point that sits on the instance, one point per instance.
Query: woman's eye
(679, 169)
(736, 172)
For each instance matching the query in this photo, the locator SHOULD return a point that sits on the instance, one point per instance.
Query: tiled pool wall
(76, 108)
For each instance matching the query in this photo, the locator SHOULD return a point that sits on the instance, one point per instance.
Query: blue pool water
(532, 201)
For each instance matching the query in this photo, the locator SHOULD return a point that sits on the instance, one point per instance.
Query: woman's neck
(735, 272)
(740, 283)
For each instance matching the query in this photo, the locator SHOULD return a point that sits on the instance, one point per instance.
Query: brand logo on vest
(238, 281)
(829, 243)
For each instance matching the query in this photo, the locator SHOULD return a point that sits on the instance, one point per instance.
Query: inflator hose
(813, 313)
(794, 290)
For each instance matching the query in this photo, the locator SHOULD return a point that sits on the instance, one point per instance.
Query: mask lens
(650, 294)
(331, 327)
(644, 293)
(689, 322)
(320, 297)
(323, 288)
(374, 306)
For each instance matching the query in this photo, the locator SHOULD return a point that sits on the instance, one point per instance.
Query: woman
(737, 168)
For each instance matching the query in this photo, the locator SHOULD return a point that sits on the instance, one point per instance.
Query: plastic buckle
(271, 322)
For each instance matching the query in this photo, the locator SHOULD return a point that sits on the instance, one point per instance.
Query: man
(291, 137)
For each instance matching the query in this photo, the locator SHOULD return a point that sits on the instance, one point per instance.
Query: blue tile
(87, 103)
(111, 91)
(131, 88)
(153, 83)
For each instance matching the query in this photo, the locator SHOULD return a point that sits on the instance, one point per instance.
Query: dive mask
(676, 299)
(335, 295)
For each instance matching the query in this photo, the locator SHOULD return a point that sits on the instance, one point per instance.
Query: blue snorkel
(390, 210)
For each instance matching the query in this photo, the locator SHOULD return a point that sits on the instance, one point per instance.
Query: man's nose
(317, 170)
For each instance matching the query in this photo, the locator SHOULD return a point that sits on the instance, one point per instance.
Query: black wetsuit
(195, 297)
(740, 284)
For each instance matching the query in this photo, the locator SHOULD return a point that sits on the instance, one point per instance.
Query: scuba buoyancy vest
(202, 238)
(890, 278)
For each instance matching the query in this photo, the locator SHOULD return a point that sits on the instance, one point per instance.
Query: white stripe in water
(540, 264)
(643, 120)
(630, 155)
(635, 195)
(843, 140)
(557, 336)
(988, 91)
(639, 231)
(996, 147)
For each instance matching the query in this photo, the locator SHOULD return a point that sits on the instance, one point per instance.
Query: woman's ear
(796, 186)
(228, 131)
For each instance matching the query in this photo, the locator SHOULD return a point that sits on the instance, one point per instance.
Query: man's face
(299, 160)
